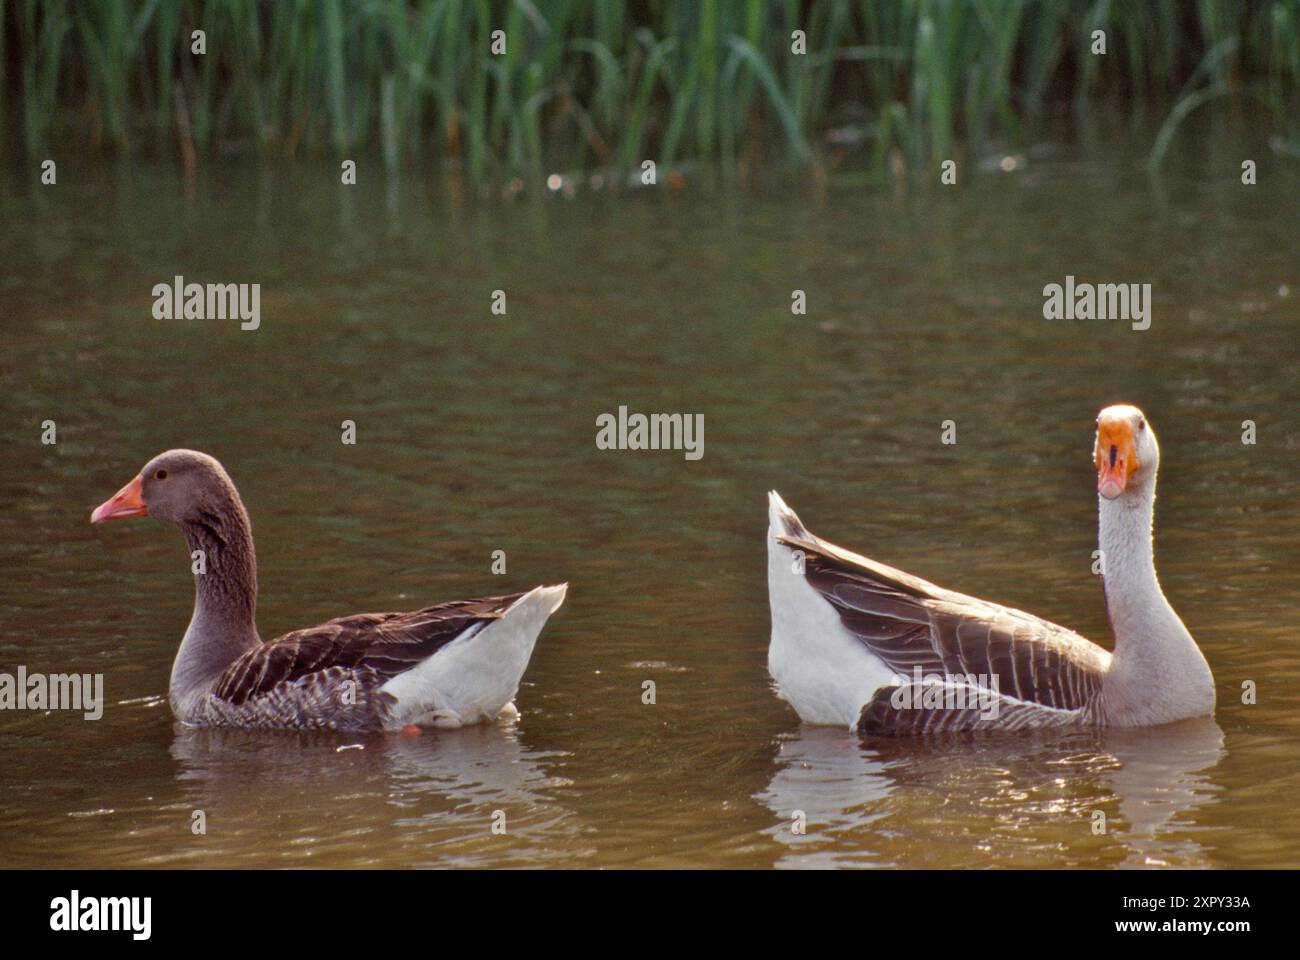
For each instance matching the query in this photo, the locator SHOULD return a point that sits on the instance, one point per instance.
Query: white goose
(857, 643)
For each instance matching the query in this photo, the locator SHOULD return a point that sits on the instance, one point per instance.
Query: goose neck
(225, 596)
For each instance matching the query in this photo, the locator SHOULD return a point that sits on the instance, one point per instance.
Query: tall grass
(596, 83)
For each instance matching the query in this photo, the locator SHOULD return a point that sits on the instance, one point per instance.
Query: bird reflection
(1082, 797)
(387, 799)
(825, 784)
(1162, 775)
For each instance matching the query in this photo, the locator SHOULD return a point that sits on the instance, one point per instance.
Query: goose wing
(1040, 673)
(372, 647)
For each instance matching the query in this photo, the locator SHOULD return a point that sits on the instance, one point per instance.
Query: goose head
(179, 486)
(1125, 453)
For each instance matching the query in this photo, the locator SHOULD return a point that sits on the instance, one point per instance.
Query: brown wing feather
(880, 716)
(374, 645)
(910, 623)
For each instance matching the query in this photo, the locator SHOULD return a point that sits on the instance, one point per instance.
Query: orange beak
(127, 502)
(1115, 454)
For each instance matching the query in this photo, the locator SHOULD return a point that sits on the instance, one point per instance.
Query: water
(476, 433)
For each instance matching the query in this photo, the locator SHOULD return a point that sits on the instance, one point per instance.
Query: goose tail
(474, 678)
(782, 521)
(819, 668)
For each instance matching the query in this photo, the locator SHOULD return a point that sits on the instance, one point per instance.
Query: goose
(858, 643)
(448, 665)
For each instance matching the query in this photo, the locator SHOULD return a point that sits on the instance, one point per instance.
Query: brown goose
(447, 665)
(858, 643)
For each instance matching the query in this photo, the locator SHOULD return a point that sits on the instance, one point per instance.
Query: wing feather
(1043, 671)
(372, 646)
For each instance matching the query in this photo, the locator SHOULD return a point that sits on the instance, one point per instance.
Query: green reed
(604, 83)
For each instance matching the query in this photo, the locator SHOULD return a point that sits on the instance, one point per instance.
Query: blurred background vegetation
(603, 84)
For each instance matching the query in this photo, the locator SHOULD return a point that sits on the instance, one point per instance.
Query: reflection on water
(825, 779)
(1159, 776)
(476, 433)
(1038, 797)
(438, 796)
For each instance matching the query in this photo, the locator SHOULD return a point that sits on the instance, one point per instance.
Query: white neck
(1158, 673)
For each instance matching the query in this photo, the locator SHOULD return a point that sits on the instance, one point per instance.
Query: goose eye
(160, 475)
(1142, 423)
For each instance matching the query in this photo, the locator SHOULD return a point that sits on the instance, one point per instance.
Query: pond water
(476, 432)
